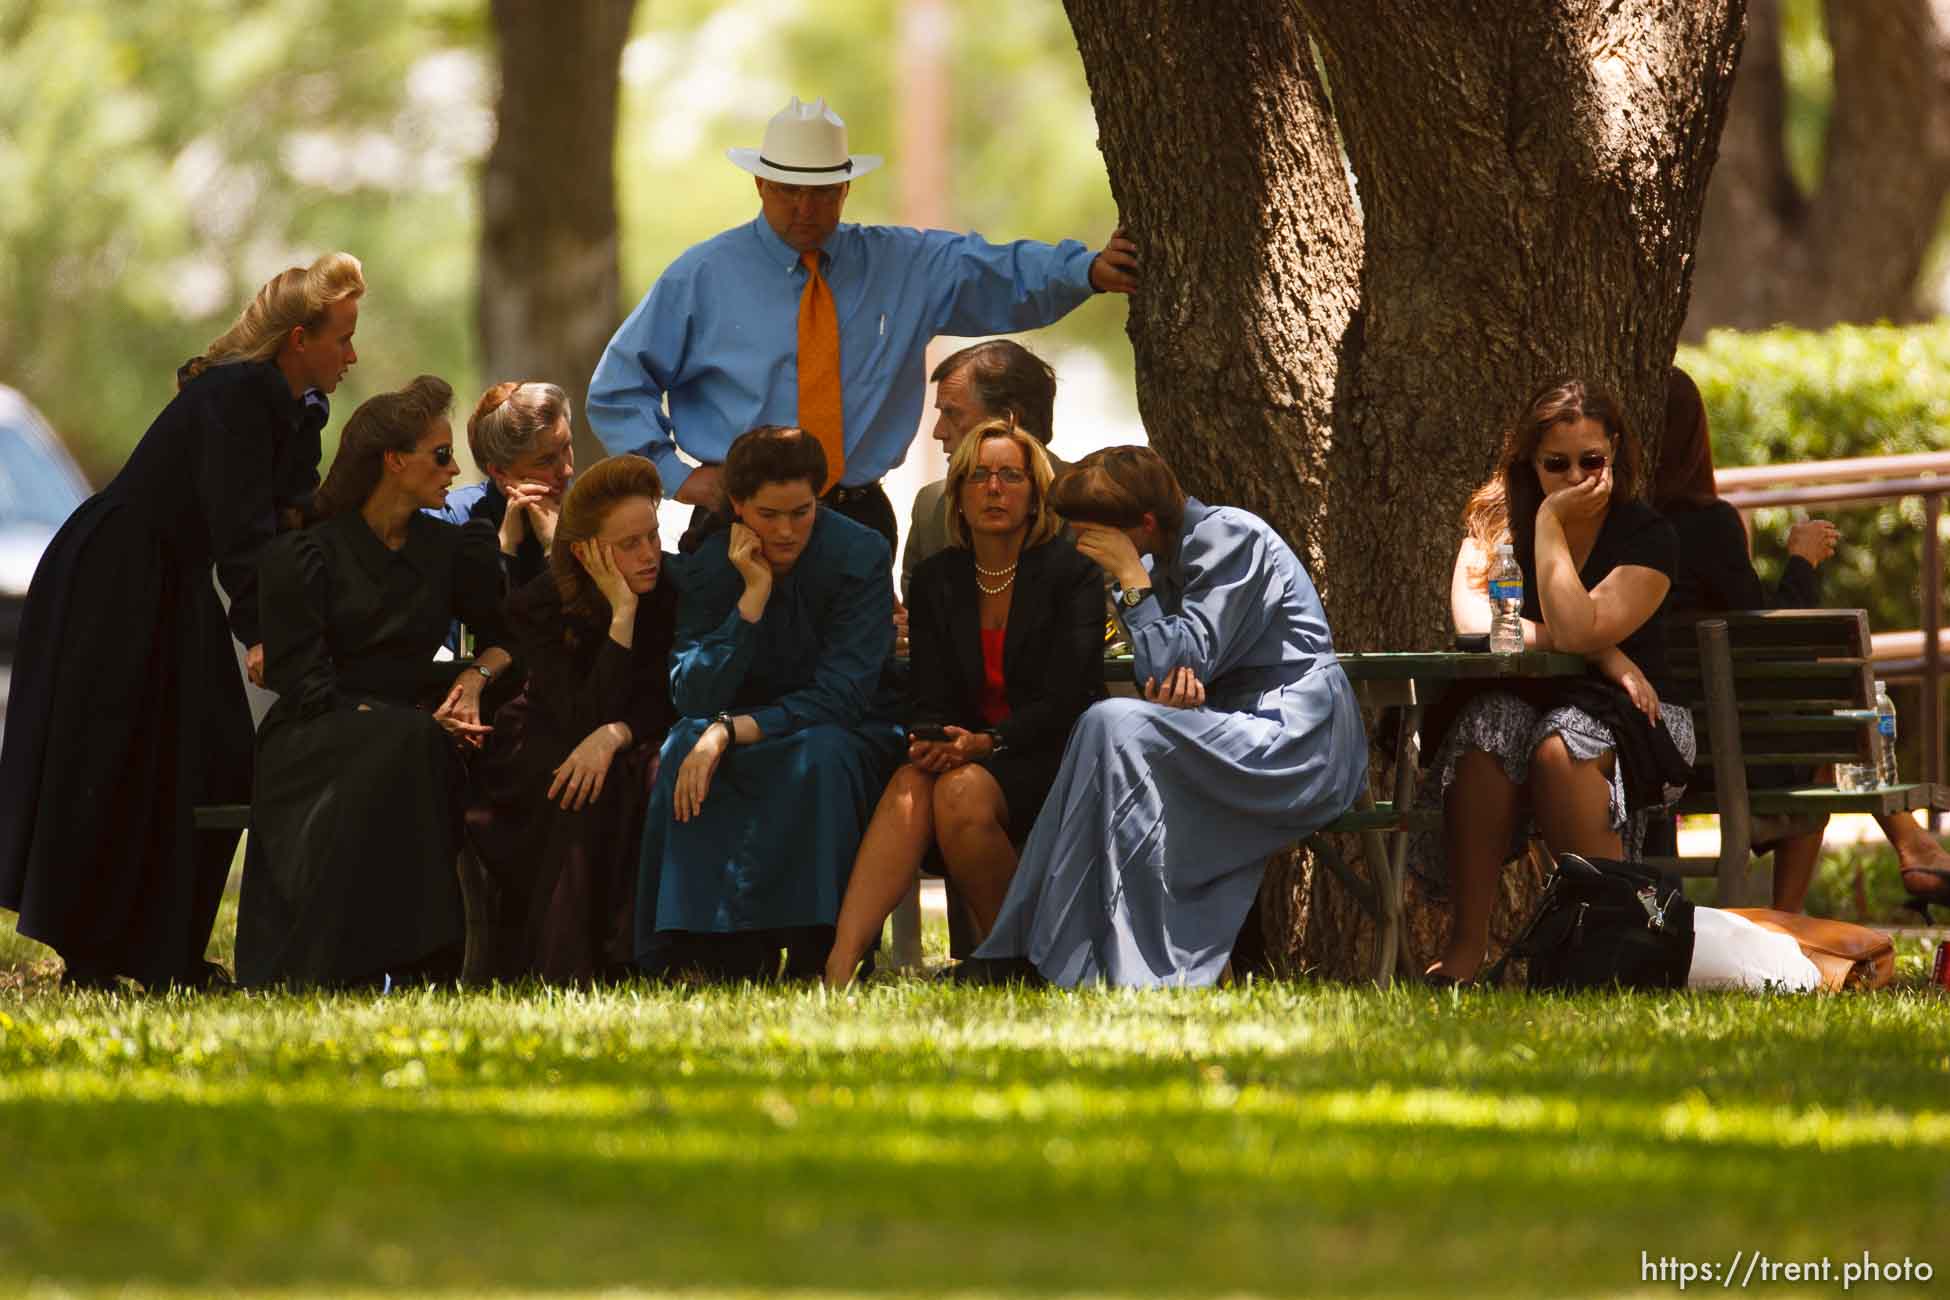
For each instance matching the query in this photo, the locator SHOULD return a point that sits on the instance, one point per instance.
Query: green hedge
(1788, 395)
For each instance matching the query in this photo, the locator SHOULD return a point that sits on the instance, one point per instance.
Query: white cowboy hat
(805, 144)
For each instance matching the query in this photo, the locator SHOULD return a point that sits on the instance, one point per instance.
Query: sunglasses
(981, 475)
(443, 455)
(1591, 462)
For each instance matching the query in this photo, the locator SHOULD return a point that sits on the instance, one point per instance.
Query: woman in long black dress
(558, 819)
(127, 706)
(1007, 630)
(360, 777)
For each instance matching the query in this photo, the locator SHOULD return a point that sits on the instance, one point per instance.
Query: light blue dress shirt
(719, 334)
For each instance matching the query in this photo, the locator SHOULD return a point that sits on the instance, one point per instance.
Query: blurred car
(40, 486)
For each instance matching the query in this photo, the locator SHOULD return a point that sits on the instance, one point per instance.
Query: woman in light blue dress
(1150, 848)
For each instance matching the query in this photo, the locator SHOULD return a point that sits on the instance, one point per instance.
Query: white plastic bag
(1731, 952)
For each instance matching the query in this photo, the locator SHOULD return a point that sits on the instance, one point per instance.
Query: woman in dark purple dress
(558, 817)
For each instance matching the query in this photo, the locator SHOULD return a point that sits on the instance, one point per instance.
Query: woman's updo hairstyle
(1117, 487)
(510, 417)
(389, 422)
(292, 298)
(773, 453)
(585, 508)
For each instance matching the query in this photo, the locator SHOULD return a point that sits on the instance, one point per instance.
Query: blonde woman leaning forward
(128, 710)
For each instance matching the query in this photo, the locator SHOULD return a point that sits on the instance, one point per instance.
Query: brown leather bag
(1848, 956)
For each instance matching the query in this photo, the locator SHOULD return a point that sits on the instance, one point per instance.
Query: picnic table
(1407, 681)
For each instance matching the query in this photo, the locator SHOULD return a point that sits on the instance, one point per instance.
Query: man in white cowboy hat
(798, 319)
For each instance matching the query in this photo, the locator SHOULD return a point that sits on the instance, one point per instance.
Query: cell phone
(927, 731)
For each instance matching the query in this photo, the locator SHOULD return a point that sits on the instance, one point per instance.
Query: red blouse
(995, 695)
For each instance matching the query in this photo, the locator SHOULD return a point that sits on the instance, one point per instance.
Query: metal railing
(1861, 479)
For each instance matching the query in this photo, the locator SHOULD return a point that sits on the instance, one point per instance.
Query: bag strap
(1552, 887)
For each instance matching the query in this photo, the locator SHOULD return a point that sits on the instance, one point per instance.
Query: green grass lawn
(1299, 1138)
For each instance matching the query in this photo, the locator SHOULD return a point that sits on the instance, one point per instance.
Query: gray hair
(510, 417)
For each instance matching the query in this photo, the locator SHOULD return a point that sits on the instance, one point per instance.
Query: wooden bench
(1765, 688)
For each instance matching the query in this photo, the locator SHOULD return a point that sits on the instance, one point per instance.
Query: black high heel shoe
(1920, 900)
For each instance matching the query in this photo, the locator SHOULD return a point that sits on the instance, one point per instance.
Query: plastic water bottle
(1506, 602)
(1885, 742)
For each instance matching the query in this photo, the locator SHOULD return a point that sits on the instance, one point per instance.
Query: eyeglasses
(1591, 462)
(981, 475)
(824, 196)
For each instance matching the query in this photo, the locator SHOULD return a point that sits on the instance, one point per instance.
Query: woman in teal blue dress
(785, 737)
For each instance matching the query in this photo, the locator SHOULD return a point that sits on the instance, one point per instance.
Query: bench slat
(223, 817)
(1815, 670)
(1819, 800)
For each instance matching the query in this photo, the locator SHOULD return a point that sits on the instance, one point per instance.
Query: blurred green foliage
(1808, 80)
(161, 160)
(1786, 395)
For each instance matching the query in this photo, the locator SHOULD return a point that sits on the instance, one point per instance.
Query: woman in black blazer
(1006, 634)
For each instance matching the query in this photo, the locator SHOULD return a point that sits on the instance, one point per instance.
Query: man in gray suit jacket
(985, 381)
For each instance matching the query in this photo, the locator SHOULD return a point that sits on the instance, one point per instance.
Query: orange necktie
(821, 413)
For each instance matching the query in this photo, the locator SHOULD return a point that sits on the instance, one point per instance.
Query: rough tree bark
(1854, 248)
(1530, 187)
(549, 273)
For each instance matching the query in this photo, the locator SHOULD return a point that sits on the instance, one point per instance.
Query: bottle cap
(1881, 686)
(1507, 548)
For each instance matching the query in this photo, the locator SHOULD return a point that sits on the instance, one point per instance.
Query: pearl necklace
(1006, 573)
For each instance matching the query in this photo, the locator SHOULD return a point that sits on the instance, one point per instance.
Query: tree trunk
(1529, 195)
(549, 273)
(1220, 144)
(1854, 249)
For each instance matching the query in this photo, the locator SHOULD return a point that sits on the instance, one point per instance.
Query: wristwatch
(1134, 597)
(486, 676)
(997, 745)
(730, 731)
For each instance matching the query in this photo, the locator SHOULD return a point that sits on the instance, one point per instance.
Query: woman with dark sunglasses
(1590, 760)
(350, 878)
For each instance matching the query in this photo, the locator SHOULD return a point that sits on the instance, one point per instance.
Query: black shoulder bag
(1604, 924)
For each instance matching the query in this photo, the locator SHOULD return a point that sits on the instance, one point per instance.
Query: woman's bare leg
(1916, 850)
(890, 853)
(1571, 800)
(1794, 867)
(1479, 817)
(971, 820)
